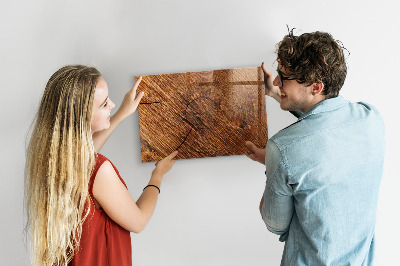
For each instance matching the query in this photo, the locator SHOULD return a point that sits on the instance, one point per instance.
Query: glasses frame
(282, 78)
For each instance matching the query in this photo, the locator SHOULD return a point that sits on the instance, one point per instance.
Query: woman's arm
(116, 201)
(128, 107)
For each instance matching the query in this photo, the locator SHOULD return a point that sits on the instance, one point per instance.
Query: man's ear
(317, 88)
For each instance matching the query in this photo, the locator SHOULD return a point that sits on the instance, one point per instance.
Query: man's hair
(314, 57)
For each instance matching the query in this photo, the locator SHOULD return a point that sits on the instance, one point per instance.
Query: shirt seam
(285, 165)
(314, 133)
(271, 228)
(325, 109)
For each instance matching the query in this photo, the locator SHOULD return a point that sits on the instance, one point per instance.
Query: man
(323, 171)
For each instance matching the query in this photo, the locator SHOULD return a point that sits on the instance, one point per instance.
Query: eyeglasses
(282, 78)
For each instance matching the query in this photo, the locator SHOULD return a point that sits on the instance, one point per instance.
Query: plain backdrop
(208, 208)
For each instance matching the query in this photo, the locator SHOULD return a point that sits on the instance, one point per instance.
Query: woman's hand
(131, 101)
(163, 166)
(128, 107)
(270, 89)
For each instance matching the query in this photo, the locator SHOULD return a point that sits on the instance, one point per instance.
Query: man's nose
(277, 81)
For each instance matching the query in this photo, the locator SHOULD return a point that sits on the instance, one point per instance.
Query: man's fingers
(265, 69)
(250, 145)
(251, 156)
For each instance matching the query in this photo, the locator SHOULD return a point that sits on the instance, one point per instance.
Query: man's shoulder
(362, 112)
(326, 121)
(288, 135)
(367, 108)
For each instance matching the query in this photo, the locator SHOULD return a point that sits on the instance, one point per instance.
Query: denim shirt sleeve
(277, 209)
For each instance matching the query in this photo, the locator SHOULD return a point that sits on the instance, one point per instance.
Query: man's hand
(257, 154)
(270, 89)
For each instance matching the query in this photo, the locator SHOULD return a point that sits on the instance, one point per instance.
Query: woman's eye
(105, 104)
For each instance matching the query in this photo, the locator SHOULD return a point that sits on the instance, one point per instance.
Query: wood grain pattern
(202, 114)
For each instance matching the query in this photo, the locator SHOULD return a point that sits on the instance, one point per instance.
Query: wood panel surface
(202, 114)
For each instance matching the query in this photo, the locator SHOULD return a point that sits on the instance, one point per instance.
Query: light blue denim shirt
(323, 176)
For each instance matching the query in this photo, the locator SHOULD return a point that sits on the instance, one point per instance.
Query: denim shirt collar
(325, 106)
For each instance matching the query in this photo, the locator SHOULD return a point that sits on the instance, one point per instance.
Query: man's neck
(316, 100)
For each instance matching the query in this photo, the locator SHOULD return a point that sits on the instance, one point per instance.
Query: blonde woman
(79, 211)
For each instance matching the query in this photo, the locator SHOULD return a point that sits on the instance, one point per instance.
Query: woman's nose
(112, 105)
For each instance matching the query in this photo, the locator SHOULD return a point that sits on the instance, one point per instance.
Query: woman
(78, 207)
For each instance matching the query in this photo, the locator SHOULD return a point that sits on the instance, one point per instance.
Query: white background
(208, 208)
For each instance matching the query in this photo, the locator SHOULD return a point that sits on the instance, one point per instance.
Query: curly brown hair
(314, 57)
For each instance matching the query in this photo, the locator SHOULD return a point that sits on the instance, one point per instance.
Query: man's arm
(256, 154)
(128, 107)
(270, 89)
(274, 91)
(276, 205)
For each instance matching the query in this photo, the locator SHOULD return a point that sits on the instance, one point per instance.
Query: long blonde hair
(59, 161)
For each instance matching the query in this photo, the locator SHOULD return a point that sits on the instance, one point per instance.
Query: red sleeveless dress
(103, 241)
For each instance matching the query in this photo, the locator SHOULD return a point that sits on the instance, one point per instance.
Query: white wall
(208, 208)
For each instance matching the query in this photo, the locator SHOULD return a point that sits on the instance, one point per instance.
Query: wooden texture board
(202, 114)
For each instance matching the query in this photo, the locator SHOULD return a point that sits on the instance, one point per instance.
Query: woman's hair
(314, 57)
(59, 161)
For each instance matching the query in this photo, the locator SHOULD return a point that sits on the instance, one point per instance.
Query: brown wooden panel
(202, 114)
